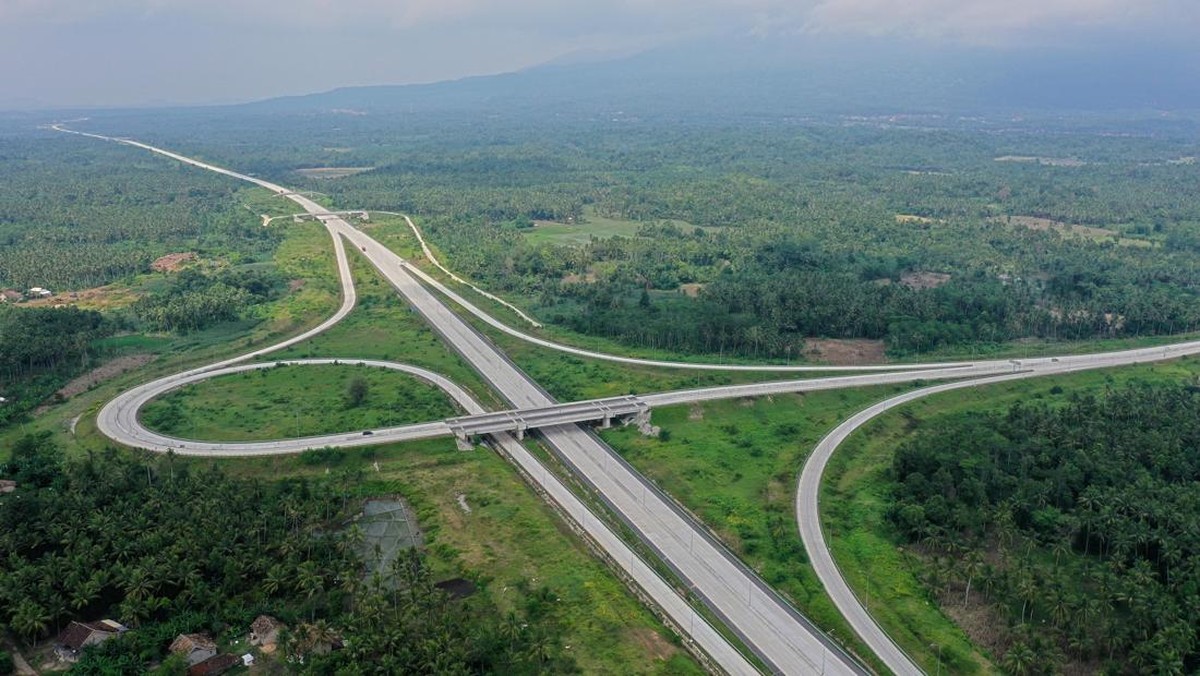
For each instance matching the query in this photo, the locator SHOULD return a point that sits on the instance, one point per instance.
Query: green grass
(591, 225)
(294, 401)
(857, 490)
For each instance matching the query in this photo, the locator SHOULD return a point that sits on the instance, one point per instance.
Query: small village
(265, 646)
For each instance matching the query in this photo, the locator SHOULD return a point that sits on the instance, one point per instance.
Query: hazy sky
(132, 52)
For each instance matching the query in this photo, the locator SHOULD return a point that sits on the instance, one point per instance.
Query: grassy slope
(295, 401)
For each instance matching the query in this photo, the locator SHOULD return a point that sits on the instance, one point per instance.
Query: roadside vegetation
(916, 587)
(1073, 522)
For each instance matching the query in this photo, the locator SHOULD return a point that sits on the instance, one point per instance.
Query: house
(217, 664)
(195, 647)
(264, 631)
(7, 486)
(79, 635)
(40, 292)
(248, 660)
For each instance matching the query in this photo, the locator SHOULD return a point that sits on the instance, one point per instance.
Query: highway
(779, 636)
(775, 631)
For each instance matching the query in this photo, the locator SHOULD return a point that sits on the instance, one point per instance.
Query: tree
(356, 392)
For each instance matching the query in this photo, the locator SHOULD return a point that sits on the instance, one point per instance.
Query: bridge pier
(606, 421)
(463, 442)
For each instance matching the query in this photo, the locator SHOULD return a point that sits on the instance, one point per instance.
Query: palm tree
(29, 619)
(1019, 659)
(275, 580)
(310, 582)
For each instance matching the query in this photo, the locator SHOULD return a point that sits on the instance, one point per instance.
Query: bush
(6, 664)
(322, 456)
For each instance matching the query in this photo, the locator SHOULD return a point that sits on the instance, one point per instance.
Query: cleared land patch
(912, 218)
(331, 172)
(923, 279)
(1044, 161)
(295, 401)
(591, 225)
(173, 262)
(1070, 229)
(845, 352)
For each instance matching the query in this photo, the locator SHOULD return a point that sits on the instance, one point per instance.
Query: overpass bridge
(360, 214)
(626, 409)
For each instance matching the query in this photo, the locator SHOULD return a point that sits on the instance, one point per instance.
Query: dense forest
(193, 300)
(76, 214)
(926, 237)
(944, 233)
(40, 348)
(169, 547)
(1075, 523)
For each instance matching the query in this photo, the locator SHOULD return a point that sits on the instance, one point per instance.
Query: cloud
(989, 21)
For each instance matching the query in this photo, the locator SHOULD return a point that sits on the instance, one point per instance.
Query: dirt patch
(977, 620)
(696, 412)
(912, 218)
(173, 262)
(295, 285)
(332, 172)
(1035, 223)
(921, 280)
(100, 298)
(1044, 161)
(845, 352)
(100, 374)
(653, 643)
(691, 290)
(588, 277)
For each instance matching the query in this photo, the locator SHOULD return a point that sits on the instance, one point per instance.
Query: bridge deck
(559, 414)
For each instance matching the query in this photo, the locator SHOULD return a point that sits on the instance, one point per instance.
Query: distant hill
(799, 77)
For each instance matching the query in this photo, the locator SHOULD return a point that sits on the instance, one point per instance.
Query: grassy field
(294, 401)
(591, 225)
(856, 493)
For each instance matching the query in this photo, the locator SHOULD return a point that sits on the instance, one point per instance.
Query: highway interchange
(772, 629)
